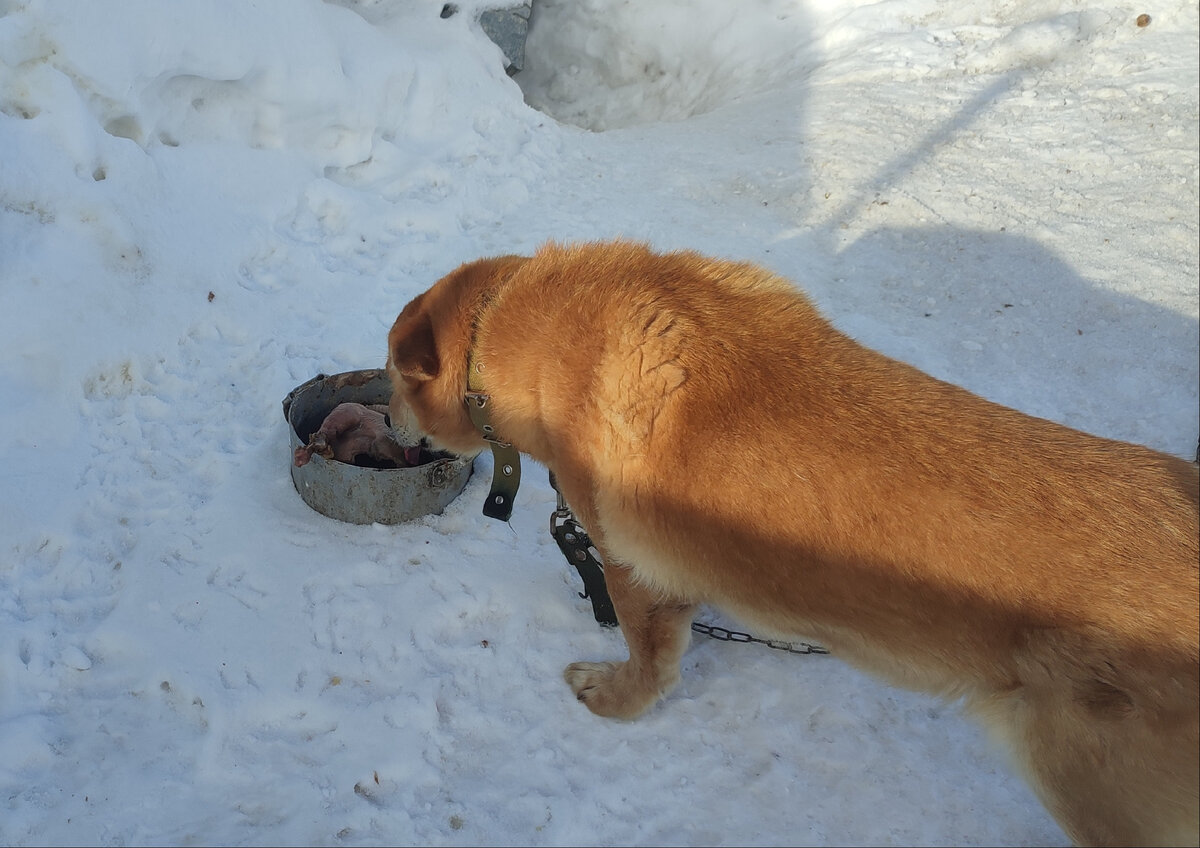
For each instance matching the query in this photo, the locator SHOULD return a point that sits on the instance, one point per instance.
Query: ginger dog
(1046, 577)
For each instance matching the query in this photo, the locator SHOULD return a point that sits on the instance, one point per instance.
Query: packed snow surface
(204, 204)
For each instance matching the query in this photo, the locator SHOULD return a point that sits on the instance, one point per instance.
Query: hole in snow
(124, 126)
(17, 110)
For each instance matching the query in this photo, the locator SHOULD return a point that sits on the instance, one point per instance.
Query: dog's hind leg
(657, 631)
(1111, 770)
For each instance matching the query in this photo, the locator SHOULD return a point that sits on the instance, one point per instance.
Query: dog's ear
(412, 349)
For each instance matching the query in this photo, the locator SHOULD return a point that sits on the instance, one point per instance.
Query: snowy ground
(202, 205)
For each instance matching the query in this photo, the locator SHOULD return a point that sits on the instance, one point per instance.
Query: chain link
(722, 634)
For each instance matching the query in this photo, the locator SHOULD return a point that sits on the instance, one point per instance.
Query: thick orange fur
(724, 444)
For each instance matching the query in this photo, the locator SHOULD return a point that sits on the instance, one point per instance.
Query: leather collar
(506, 459)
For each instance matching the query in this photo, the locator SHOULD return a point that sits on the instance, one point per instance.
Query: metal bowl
(354, 493)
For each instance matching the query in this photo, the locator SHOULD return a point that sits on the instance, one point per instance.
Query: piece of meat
(353, 431)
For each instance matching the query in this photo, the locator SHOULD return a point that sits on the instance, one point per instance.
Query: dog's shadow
(1003, 316)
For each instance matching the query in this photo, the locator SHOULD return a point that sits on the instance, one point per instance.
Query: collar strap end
(506, 460)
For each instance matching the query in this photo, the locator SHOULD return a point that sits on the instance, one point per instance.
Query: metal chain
(577, 548)
(722, 634)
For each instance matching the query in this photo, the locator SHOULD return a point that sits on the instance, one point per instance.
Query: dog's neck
(502, 374)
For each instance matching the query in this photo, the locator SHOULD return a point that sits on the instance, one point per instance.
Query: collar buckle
(477, 408)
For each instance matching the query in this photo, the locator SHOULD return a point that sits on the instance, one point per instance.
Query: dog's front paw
(610, 689)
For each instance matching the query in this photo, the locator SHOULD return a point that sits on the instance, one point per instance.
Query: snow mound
(601, 65)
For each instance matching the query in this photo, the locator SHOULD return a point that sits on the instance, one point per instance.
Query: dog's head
(428, 348)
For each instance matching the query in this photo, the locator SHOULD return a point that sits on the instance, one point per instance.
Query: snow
(202, 205)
